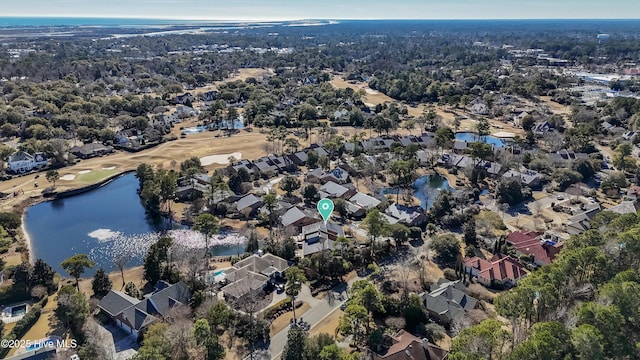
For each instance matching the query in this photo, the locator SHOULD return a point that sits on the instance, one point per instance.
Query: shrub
(23, 325)
(450, 274)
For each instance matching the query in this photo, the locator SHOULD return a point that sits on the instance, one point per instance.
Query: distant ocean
(575, 24)
(108, 22)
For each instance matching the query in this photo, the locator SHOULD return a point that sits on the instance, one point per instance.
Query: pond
(225, 124)
(471, 137)
(426, 189)
(100, 223)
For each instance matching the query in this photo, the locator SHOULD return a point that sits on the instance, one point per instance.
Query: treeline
(582, 306)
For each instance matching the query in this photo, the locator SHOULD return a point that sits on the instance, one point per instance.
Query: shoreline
(31, 201)
(26, 237)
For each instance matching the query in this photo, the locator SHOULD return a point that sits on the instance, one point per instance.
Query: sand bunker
(371, 92)
(84, 171)
(222, 159)
(67, 177)
(109, 168)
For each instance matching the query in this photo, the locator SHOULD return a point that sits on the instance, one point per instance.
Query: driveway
(320, 309)
(124, 345)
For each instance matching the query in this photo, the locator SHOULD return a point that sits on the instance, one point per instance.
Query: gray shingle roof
(364, 200)
(333, 190)
(448, 300)
(248, 201)
(115, 302)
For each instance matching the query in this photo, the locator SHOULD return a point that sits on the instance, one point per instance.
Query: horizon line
(142, 17)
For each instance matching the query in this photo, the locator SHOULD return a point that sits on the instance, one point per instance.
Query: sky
(325, 9)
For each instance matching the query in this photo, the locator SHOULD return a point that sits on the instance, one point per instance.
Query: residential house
(320, 236)
(314, 176)
(424, 140)
(448, 301)
(248, 206)
(195, 187)
(492, 168)
(628, 135)
(135, 316)
(408, 215)
(459, 146)
(565, 156)
(299, 158)
(241, 164)
(283, 163)
(579, 222)
(90, 150)
(529, 178)
(340, 116)
(360, 203)
(479, 107)
(333, 191)
(543, 127)
(22, 162)
(530, 243)
(183, 111)
(625, 207)
(377, 144)
(318, 149)
(209, 96)
(337, 175)
(252, 275)
(266, 167)
(298, 217)
(405, 346)
(185, 98)
(131, 138)
(499, 270)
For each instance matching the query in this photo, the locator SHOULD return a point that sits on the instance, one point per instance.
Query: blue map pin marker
(325, 208)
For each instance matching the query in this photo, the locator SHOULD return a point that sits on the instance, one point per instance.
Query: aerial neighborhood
(160, 198)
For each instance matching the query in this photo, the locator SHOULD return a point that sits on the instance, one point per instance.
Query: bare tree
(179, 334)
(120, 260)
(250, 304)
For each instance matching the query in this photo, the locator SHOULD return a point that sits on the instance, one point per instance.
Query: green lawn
(95, 175)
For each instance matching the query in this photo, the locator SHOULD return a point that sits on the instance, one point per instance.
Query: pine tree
(101, 283)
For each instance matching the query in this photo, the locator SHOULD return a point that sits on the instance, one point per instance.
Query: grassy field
(96, 175)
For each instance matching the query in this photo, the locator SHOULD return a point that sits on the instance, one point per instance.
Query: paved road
(320, 310)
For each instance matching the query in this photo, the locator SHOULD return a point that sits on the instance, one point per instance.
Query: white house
(22, 162)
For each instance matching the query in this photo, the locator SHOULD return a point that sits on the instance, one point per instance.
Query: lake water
(426, 189)
(471, 137)
(83, 223)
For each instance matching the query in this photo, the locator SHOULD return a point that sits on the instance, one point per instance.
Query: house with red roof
(530, 243)
(501, 269)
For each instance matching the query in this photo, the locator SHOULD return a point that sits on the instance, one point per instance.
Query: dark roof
(247, 202)
(449, 300)
(20, 156)
(138, 314)
(115, 302)
(166, 299)
(137, 318)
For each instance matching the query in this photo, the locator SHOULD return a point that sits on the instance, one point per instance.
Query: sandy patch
(84, 171)
(67, 177)
(371, 91)
(109, 168)
(222, 159)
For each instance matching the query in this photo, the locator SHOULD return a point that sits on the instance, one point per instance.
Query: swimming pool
(18, 310)
(218, 272)
(471, 137)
